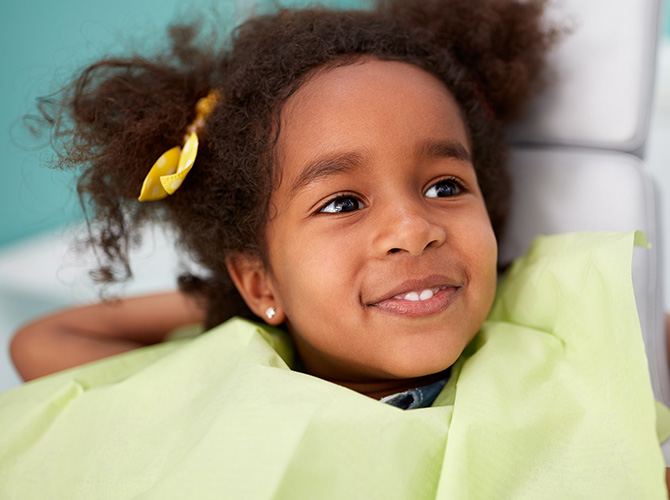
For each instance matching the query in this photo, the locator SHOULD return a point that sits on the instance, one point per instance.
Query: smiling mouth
(419, 295)
(419, 302)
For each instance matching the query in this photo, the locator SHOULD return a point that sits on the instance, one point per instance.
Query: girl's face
(381, 256)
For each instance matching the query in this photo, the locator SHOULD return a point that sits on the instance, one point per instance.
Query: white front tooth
(426, 294)
(412, 296)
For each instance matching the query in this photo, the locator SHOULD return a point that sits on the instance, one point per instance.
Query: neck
(378, 389)
(369, 385)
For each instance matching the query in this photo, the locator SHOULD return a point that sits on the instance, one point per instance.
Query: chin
(426, 356)
(422, 367)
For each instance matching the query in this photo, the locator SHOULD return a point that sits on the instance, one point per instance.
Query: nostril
(394, 250)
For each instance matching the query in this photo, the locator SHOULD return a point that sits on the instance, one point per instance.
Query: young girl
(342, 178)
(126, 113)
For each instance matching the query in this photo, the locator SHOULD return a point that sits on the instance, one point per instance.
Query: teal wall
(41, 43)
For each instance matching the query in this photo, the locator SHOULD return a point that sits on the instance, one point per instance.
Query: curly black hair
(120, 114)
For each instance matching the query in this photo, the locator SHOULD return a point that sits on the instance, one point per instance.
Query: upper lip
(414, 285)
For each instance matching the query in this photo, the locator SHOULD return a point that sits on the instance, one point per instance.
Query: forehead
(366, 104)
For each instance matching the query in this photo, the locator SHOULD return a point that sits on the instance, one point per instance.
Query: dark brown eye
(444, 189)
(340, 205)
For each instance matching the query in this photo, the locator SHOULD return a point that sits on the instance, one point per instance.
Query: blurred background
(42, 44)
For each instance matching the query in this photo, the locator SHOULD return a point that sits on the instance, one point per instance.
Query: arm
(76, 336)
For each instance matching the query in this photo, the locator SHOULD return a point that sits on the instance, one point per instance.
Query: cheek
(308, 276)
(489, 269)
(489, 249)
(482, 255)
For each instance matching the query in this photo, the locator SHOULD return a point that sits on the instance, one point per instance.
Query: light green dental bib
(552, 400)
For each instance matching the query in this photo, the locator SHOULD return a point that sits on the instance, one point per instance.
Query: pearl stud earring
(270, 312)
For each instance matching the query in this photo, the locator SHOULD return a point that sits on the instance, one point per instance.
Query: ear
(251, 280)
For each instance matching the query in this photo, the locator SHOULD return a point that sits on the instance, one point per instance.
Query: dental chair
(577, 160)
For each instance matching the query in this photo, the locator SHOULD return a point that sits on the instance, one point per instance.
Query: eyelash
(456, 183)
(343, 196)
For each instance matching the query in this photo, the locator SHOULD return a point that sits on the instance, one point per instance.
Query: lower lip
(437, 303)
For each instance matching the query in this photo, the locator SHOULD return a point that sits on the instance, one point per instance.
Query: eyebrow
(326, 167)
(339, 163)
(444, 149)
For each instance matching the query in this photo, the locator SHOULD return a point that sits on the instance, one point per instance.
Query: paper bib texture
(552, 400)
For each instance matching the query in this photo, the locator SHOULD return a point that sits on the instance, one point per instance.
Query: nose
(408, 227)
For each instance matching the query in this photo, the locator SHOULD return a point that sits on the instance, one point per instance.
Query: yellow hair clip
(169, 171)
